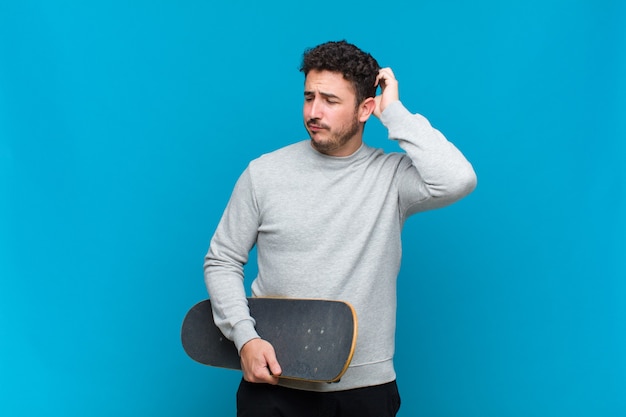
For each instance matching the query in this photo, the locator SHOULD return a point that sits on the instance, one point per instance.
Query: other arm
(224, 278)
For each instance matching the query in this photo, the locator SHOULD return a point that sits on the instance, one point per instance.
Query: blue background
(124, 125)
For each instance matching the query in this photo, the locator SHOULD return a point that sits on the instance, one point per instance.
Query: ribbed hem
(357, 376)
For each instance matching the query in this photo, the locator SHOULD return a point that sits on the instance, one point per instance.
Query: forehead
(327, 82)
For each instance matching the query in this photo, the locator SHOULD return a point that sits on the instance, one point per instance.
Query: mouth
(314, 127)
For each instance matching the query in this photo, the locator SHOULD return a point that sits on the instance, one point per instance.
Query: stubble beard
(335, 140)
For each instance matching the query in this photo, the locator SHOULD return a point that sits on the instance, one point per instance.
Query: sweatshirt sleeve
(223, 264)
(436, 174)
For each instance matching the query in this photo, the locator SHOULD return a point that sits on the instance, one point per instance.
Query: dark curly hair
(358, 67)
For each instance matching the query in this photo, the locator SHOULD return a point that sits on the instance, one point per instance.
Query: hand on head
(388, 90)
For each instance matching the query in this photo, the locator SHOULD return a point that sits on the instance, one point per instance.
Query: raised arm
(438, 174)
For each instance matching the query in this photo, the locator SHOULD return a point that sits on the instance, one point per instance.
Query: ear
(366, 109)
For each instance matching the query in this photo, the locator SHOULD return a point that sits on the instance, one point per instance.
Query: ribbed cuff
(243, 332)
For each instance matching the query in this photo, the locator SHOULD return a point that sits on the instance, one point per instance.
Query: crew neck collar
(349, 158)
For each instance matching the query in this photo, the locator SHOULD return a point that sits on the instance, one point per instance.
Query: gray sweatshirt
(330, 227)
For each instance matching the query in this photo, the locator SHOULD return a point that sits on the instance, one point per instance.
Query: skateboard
(314, 339)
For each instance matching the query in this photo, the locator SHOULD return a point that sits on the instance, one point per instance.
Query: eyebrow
(326, 95)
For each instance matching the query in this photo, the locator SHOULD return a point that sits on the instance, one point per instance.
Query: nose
(314, 109)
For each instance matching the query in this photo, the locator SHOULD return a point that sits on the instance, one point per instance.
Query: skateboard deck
(314, 339)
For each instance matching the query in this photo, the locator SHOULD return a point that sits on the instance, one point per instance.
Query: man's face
(330, 113)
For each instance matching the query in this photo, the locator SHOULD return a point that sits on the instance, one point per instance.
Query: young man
(326, 215)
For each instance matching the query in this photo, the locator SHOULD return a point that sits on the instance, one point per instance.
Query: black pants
(264, 400)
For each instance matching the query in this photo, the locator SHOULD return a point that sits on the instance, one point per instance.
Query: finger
(271, 379)
(384, 74)
(263, 375)
(273, 366)
(260, 373)
(379, 80)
